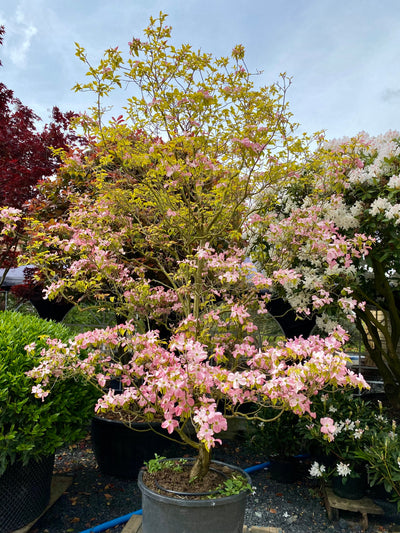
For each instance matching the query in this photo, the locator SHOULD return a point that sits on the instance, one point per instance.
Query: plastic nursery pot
(284, 470)
(210, 515)
(24, 492)
(121, 450)
(354, 488)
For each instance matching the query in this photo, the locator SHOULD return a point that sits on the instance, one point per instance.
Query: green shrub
(279, 438)
(29, 427)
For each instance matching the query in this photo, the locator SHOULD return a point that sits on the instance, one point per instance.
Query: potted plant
(284, 453)
(30, 429)
(123, 439)
(381, 453)
(358, 444)
(216, 502)
(161, 236)
(204, 375)
(347, 479)
(345, 420)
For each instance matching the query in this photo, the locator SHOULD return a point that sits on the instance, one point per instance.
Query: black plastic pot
(285, 469)
(354, 488)
(172, 515)
(121, 450)
(24, 493)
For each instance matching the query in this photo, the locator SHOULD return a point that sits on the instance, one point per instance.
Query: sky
(343, 55)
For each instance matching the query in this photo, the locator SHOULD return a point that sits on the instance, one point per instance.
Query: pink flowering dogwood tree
(211, 367)
(160, 239)
(11, 222)
(337, 226)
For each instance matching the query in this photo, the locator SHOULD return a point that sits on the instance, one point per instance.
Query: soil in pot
(168, 481)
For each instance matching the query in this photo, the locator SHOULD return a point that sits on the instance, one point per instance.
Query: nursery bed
(94, 498)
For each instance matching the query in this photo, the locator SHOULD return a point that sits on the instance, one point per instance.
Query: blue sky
(343, 55)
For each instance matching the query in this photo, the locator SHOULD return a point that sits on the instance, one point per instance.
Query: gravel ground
(94, 498)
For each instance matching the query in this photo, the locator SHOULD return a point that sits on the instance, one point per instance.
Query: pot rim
(127, 424)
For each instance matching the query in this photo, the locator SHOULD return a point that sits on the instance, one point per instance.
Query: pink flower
(170, 425)
(39, 392)
(170, 170)
(328, 427)
(239, 312)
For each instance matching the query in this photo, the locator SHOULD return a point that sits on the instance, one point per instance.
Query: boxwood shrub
(30, 427)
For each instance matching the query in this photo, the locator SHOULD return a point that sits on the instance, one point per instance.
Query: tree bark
(201, 465)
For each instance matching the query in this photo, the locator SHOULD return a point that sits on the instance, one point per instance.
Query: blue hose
(254, 468)
(111, 523)
(127, 517)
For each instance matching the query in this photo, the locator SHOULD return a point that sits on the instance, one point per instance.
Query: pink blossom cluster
(10, 218)
(184, 382)
(316, 253)
(246, 142)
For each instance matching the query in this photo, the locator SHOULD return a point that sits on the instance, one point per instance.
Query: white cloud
(19, 52)
(19, 34)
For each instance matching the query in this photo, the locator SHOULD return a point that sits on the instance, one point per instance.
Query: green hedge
(30, 427)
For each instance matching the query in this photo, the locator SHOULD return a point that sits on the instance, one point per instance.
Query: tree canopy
(198, 143)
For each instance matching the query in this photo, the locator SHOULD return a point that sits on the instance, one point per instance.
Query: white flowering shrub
(337, 229)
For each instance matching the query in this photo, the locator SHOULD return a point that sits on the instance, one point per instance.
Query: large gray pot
(172, 515)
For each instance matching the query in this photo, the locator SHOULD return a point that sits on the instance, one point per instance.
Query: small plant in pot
(30, 429)
(281, 443)
(345, 420)
(358, 445)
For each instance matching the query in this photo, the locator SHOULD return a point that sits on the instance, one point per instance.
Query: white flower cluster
(366, 175)
(325, 323)
(383, 206)
(380, 418)
(350, 426)
(380, 205)
(343, 469)
(394, 182)
(317, 470)
(394, 213)
(341, 215)
(299, 301)
(383, 147)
